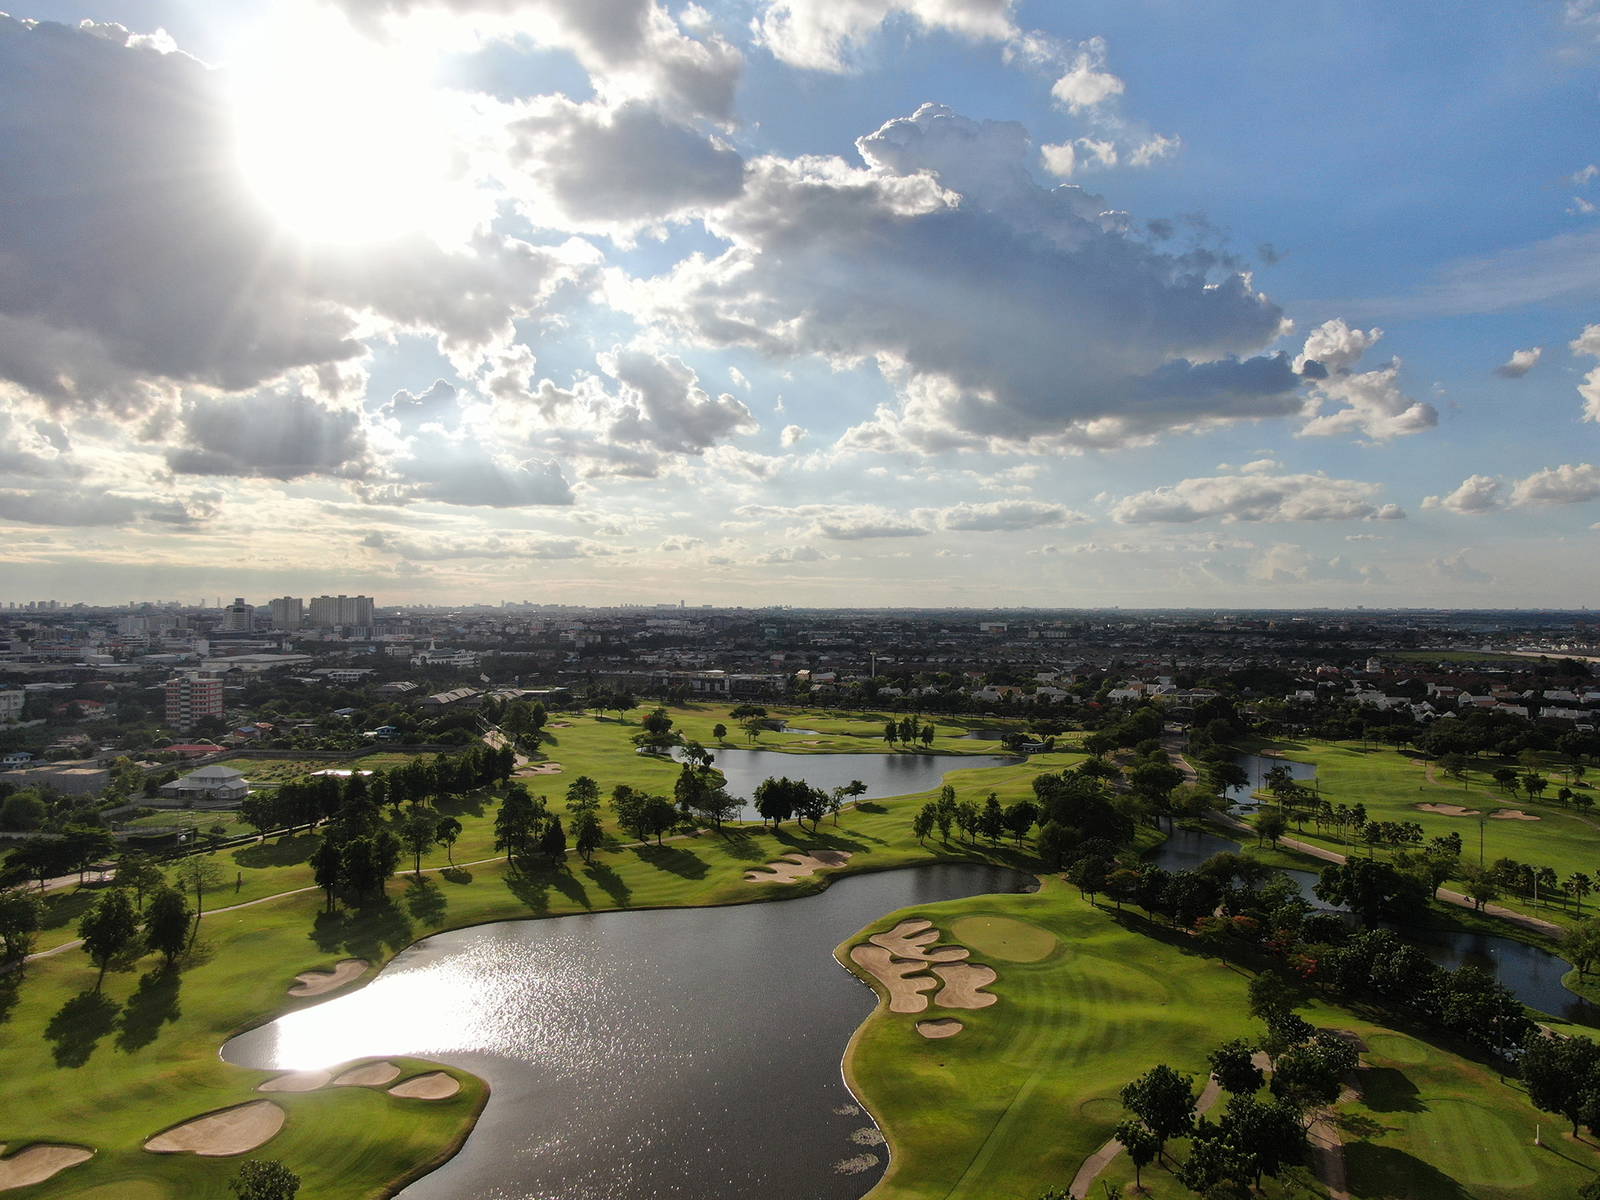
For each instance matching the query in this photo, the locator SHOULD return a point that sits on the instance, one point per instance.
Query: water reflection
(690, 1052)
(1256, 767)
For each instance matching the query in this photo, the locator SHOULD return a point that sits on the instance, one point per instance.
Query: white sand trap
(940, 1027)
(38, 1163)
(797, 866)
(961, 984)
(903, 980)
(559, 725)
(222, 1133)
(296, 1081)
(912, 939)
(372, 1075)
(315, 983)
(548, 768)
(435, 1085)
(1513, 814)
(1449, 810)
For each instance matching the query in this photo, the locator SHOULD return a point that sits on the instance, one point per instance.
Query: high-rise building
(288, 612)
(328, 611)
(238, 617)
(190, 697)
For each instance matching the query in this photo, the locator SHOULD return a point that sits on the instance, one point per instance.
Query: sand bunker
(797, 866)
(315, 983)
(371, 1075)
(296, 1081)
(912, 939)
(435, 1085)
(940, 1027)
(547, 768)
(559, 725)
(38, 1163)
(904, 981)
(1449, 810)
(1512, 814)
(961, 984)
(222, 1133)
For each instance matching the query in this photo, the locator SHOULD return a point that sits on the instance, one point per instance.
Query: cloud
(1095, 339)
(1000, 515)
(1366, 402)
(792, 435)
(826, 35)
(790, 554)
(444, 548)
(436, 406)
(586, 167)
(1587, 343)
(1087, 83)
(1563, 267)
(270, 436)
(1476, 494)
(1456, 569)
(91, 507)
(678, 543)
(1256, 498)
(1520, 363)
(1569, 484)
(860, 525)
(138, 259)
(662, 405)
(462, 471)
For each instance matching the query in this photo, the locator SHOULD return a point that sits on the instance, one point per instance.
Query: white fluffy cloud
(1476, 494)
(997, 515)
(1365, 402)
(792, 435)
(1568, 484)
(1587, 343)
(825, 35)
(1096, 338)
(445, 548)
(1087, 83)
(1520, 363)
(276, 437)
(1256, 498)
(1455, 568)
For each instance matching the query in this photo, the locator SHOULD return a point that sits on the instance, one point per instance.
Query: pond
(884, 774)
(1533, 974)
(1257, 766)
(668, 1053)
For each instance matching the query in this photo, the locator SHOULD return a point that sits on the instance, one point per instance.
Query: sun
(342, 139)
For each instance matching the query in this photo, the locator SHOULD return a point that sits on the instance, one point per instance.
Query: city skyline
(954, 302)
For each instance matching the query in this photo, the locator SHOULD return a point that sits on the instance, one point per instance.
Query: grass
(1391, 784)
(1016, 1101)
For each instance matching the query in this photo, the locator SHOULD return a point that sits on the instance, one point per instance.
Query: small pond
(1257, 766)
(884, 774)
(687, 1053)
(1532, 974)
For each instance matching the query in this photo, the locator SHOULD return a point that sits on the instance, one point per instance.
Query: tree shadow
(470, 805)
(675, 859)
(1387, 1089)
(741, 845)
(570, 886)
(456, 875)
(10, 989)
(1359, 1126)
(288, 851)
(531, 890)
(78, 1026)
(152, 1005)
(362, 932)
(608, 881)
(64, 908)
(425, 901)
(870, 806)
(1384, 1171)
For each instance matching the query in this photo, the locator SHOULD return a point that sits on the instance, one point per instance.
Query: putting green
(1005, 938)
(1481, 1146)
(1399, 1048)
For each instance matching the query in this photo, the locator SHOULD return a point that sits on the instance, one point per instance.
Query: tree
(891, 733)
(752, 727)
(1581, 945)
(368, 860)
(327, 868)
(777, 799)
(658, 815)
(1271, 826)
(1141, 1144)
(136, 873)
(198, 874)
(445, 833)
(264, 1179)
(719, 731)
(1234, 1067)
(992, 821)
(108, 929)
(1370, 889)
(166, 924)
(417, 832)
(1563, 1075)
(23, 812)
(21, 915)
(922, 824)
(516, 825)
(1019, 818)
(1272, 996)
(587, 834)
(1164, 1100)
(1267, 1137)
(553, 841)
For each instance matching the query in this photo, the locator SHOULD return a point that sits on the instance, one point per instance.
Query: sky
(985, 303)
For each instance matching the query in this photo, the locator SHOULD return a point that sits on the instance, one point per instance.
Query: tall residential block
(191, 697)
(288, 612)
(238, 617)
(328, 611)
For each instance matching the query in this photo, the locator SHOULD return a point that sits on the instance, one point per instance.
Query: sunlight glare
(343, 139)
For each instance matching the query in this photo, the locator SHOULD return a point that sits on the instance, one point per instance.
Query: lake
(885, 775)
(1533, 974)
(1257, 766)
(689, 1053)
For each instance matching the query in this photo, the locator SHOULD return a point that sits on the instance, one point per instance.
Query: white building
(238, 617)
(215, 784)
(11, 705)
(288, 612)
(330, 611)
